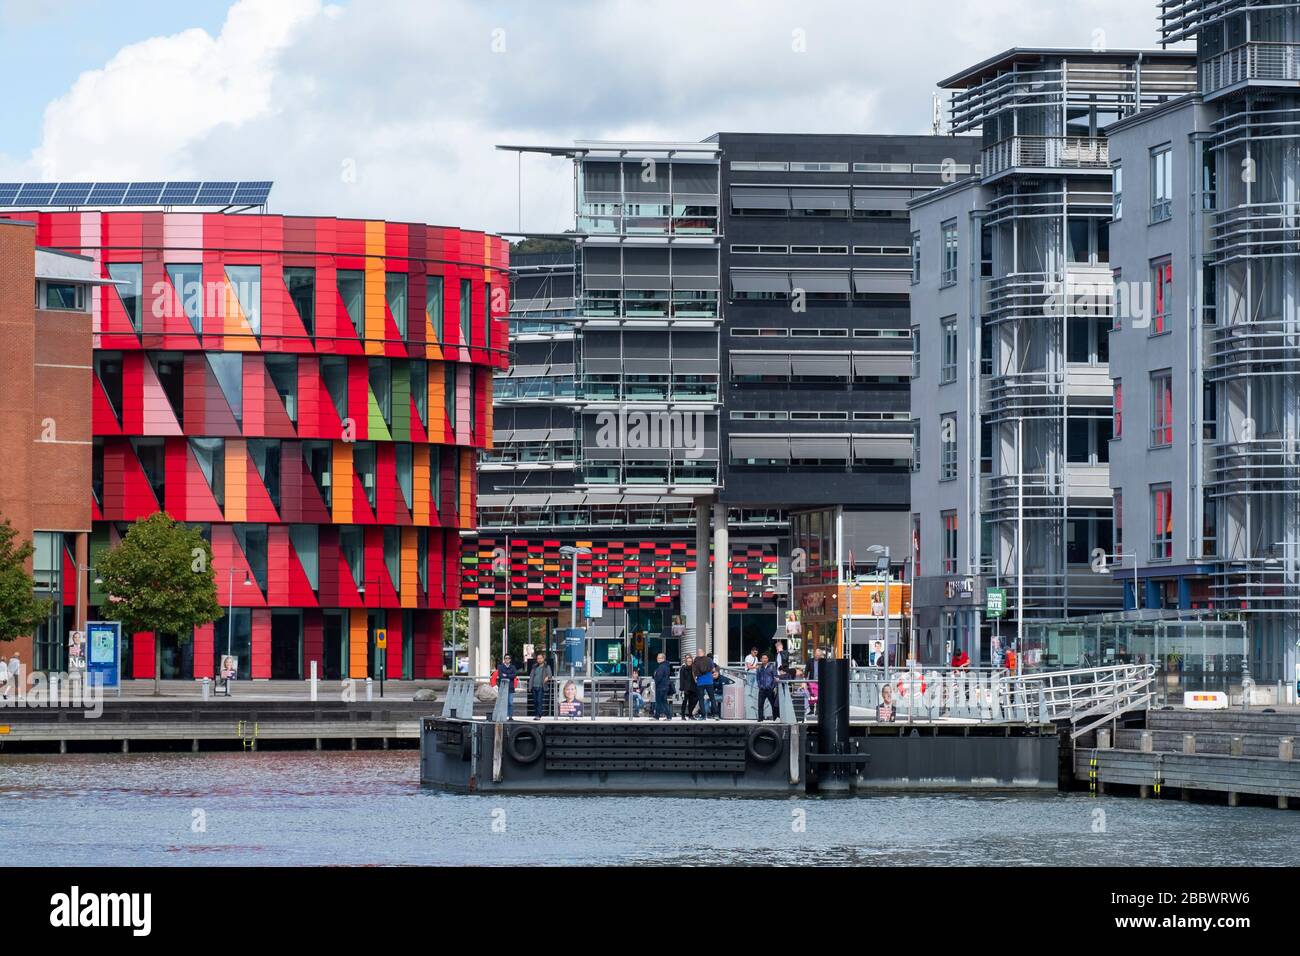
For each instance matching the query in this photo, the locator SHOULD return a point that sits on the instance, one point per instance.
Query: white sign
(1205, 700)
(594, 601)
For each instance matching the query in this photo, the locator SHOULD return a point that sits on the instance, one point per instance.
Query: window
(1209, 295)
(420, 389)
(301, 284)
(246, 283)
(1162, 288)
(1209, 527)
(449, 393)
(62, 297)
(916, 352)
(433, 306)
(352, 544)
(986, 252)
(1162, 408)
(948, 443)
(405, 472)
(228, 369)
(252, 539)
(466, 303)
(1162, 523)
(1162, 189)
(1117, 195)
(334, 373)
(949, 276)
(1118, 304)
(435, 476)
(800, 167)
(1209, 179)
(283, 370)
(187, 285)
(916, 445)
(381, 386)
(108, 369)
(317, 456)
(352, 289)
(751, 166)
(1118, 521)
(1210, 412)
(949, 521)
(1087, 440)
(948, 373)
(882, 167)
(916, 258)
(395, 295)
(1117, 413)
(129, 280)
(210, 453)
(364, 465)
(306, 542)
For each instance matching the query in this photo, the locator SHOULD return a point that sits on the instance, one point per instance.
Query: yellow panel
(358, 636)
(410, 567)
(236, 479)
(375, 293)
(342, 482)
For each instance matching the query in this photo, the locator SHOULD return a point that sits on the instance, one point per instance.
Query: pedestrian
(634, 691)
(686, 683)
(537, 678)
(751, 659)
(766, 677)
(960, 658)
(1011, 659)
(506, 678)
(720, 681)
(4, 682)
(782, 662)
(663, 681)
(702, 669)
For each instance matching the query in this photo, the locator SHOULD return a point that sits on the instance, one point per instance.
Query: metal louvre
(750, 197)
(822, 282)
(823, 365)
(882, 447)
(867, 283)
(761, 363)
(827, 447)
(885, 200)
(882, 363)
(819, 198)
(760, 447)
(760, 282)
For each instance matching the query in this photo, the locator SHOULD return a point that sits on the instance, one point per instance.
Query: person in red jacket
(960, 658)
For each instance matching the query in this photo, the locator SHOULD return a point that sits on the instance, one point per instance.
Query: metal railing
(1085, 698)
(1251, 61)
(1047, 152)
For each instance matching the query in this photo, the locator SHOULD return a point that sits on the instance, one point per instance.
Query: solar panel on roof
(216, 194)
(107, 194)
(35, 194)
(143, 194)
(71, 194)
(179, 194)
(8, 193)
(254, 193)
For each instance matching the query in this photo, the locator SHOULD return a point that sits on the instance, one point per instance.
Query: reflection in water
(367, 807)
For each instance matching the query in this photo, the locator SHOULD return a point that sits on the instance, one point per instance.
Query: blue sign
(575, 641)
(104, 652)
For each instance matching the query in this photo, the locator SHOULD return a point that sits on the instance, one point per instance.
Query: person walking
(686, 683)
(766, 677)
(506, 676)
(537, 678)
(663, 680)
(702, 668)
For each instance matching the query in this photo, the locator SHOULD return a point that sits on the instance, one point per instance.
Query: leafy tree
(159, 579)
(20, 611)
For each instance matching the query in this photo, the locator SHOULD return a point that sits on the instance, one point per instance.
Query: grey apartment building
(744, 302)
(1204, 348)
(1011, 314)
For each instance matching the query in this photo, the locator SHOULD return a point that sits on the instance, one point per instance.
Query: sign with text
(594, 601)
(995, 602)
(104, 651)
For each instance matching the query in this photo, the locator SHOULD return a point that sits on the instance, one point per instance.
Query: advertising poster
(76, 652)
(104, 650)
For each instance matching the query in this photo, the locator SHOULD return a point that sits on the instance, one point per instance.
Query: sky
(393, 108)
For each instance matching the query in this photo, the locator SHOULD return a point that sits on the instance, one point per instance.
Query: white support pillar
(480, 641)
(697, 640)
(721, 582)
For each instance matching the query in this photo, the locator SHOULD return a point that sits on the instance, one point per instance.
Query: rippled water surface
(368, 808)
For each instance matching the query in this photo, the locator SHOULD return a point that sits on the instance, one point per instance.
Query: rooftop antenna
(936, 118)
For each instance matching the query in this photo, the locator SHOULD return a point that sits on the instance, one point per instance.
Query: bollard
(1103, 740)
(1286, 748)
(1147, 744)
(1189, 743)
(313, 681)
(1237, 747)
(206, 688)
(370, 690)
(833, 724)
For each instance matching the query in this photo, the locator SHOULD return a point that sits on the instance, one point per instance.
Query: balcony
(1046, 152)
(1268, 466)
(1255, 229)
(1041, 496)
(1022, 395)
(1255, 64)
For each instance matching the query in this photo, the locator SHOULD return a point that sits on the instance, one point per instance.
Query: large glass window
(1117, 194)
(948, 447)
(948, 372)
(187, 284)
(108, 369)
(393, 554)
(169, 367)
(306, 542)
(395, 294)
(301, 283)
(228, 369)
(1117, 415)
(352, 289)
(466, 304)
(449, 393)
(1162, 186)
(364, 465)
(252, 541)
(949, 237)
(1162, 289)
(265, 453)
(949, 522)
(246, 281)
(128, 278)
(317, 456)
(435, 476)
(1162, 522)
(150, 452)
(334, 372)
(406, 472)
(352, 544)
(381, 384)
(283, 370)
(420, 389)
(433, 306)
(211, 456)
(1162, 408)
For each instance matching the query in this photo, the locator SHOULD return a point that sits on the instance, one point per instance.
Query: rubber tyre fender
(512, 744)
(763, 733)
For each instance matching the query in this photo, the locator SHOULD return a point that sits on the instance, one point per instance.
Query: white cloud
(413, 97)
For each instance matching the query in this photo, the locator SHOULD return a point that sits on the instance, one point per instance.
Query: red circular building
(313, 393)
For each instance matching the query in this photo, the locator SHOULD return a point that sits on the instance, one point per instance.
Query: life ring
(512, 744)
(763, 733)
(906, 682)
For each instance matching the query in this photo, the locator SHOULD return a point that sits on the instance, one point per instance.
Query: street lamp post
(883, 564)
(230, 614)
(1137, 600)
(569, 551)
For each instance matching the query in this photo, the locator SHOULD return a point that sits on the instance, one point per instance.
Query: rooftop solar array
(204, 193)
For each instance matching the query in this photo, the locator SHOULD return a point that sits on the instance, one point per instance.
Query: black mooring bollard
(833, 725)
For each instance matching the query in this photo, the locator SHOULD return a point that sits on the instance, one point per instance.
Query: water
(368, 808)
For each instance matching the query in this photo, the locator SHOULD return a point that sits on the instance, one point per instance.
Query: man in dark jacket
(506, 674)
(686, 683)
(767, 678)
(663, 688)
(537, 678)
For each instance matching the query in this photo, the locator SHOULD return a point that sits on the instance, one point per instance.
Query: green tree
(159, 579)
(20, 611)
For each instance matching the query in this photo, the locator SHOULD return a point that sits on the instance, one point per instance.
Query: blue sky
(48, 44)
